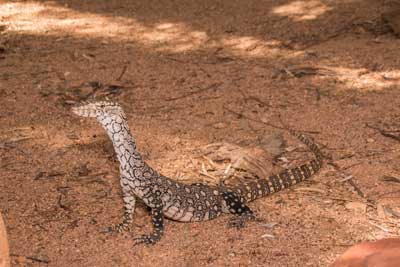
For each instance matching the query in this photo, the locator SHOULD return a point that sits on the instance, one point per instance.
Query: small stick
(310, 189)
(37, 259)
(387, 178)
(228, 168)
(289, 72)
(379, 226)
(122, 73)
(201, 90)
(212, 163)
(205, 173)
(358, 190)
(384, 133)
(227, 175)
(241, 115)
(351, 182)
(351, 165)
(389, 193)
(32, 258)
(346, 178)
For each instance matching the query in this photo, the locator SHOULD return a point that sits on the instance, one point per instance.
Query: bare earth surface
(189, 74)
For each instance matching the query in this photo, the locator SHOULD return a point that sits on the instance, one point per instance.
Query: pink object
(4, 254)
(381, 253)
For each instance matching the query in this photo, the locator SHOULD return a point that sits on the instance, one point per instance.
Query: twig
(32, 258)
(12, 130)
(122, 73)
(387, 178)
(37, 259)
(390, 211)
(201, 90)
(227, 175)
(268, 236)
(346, 178)
(12, 164)
(349, 200)
(51, 174)
(241, 115)
(205, 173)
(351, 165)
(18, 139)
(287, 71)
(210, 161)
(175, 59)
(384, 133)
(269, 225)
(310, 189)
(358, 190)
(379, 226)
(254, 98)
(388, 193)
(63, 206)
(351, 182)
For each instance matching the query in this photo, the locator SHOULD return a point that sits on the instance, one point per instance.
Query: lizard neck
(124, 144)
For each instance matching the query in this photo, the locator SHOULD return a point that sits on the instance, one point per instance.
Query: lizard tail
(265, 186)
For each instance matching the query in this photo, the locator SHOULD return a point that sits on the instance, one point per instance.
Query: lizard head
(98, 109)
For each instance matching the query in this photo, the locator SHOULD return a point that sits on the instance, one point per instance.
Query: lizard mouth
(93, 109)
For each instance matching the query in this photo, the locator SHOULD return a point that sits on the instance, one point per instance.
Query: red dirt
(184, 70)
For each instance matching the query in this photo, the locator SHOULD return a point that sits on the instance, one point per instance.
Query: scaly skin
(178, 201)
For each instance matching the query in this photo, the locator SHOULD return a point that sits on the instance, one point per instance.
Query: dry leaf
(253, 159)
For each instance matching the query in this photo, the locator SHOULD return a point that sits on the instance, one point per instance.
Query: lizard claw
(237, 222)
(240, 221)
(119, 228)
(146, 239)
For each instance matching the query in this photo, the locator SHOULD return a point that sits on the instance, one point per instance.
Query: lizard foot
(239, 222)
(146, 239)
(119, 228)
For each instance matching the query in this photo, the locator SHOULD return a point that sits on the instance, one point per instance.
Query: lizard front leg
(129, 207)
(158, 227)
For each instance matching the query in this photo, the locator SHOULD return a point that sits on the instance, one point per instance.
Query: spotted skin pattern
(177, 201)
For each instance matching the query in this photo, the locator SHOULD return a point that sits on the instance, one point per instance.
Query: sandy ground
(192, 73)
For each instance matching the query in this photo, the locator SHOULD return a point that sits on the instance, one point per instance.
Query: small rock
(83, 170)
(109, 176)
(370, 140)
(70, 102)
(269, 225)
(219, 125)
(268, 236)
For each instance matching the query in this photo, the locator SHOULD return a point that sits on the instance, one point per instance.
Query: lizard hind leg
(236, 205)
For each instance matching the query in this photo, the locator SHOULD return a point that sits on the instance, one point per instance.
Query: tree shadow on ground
(189, 74)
